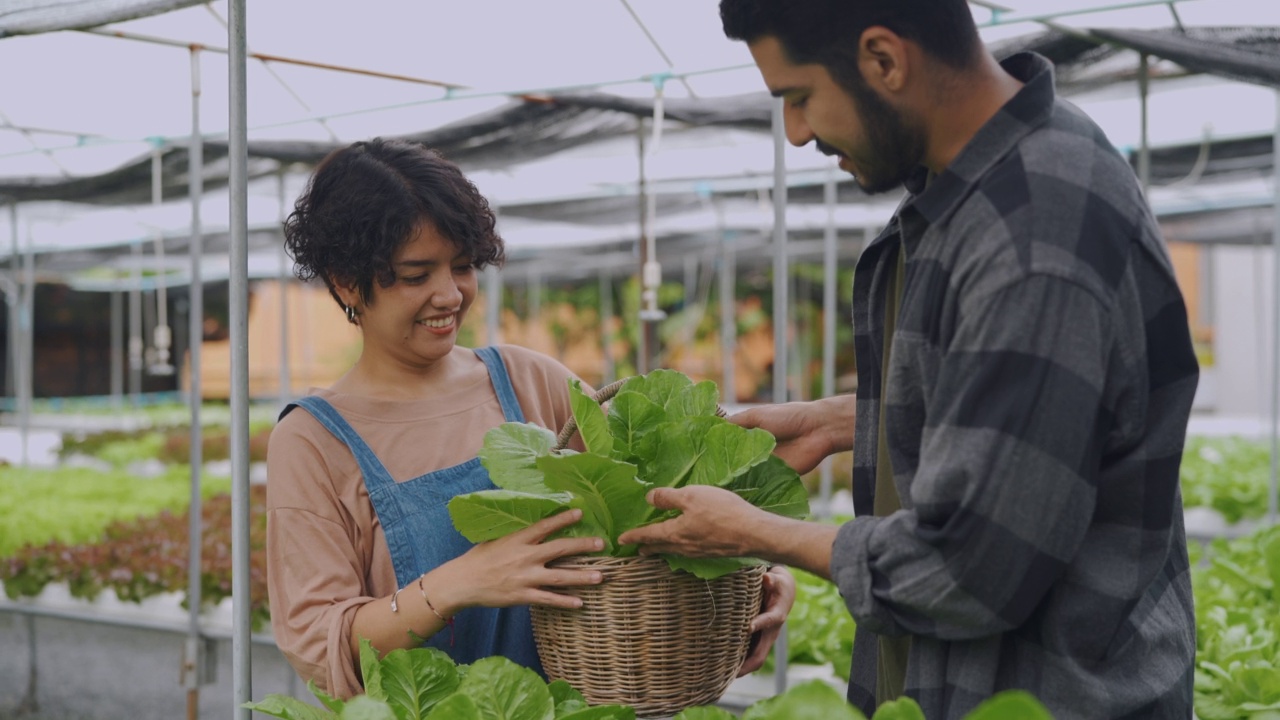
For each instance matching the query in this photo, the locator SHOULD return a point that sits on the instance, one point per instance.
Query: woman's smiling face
(415, 320)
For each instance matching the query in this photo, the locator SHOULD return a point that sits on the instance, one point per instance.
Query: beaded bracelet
(395, 595)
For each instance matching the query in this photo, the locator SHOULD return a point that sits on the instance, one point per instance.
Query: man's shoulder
(1063, 202)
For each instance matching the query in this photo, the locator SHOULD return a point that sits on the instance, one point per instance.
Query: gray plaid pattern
(1040, 383)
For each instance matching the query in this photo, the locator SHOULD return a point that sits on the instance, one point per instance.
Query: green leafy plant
(1237, 589)
(816, 700)
(425, 684)
(75, 505)
(661, 430)
(819, 628)
(1230, 475)
(145, 556)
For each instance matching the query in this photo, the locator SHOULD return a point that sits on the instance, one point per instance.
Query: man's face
(879, 145)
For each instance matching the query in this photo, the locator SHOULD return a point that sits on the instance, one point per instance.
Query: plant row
(147, 556)
(424, 684)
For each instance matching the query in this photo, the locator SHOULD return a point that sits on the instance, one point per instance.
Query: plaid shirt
(1039, 386)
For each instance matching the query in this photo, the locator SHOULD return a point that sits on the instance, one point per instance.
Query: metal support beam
(1144, 96)
(239, 316)
(610, 370)
(161, 335)
(728, 313)
(1273, 496)
(192, 671)
(13, 297)
(829, 281)
(493, 305)
(286, 377)
(27, 390)
(780, 321)
(117, 350)
(136, 344)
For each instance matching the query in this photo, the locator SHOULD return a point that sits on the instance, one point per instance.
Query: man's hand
(807, 432)
(779, 596)
(714, 522)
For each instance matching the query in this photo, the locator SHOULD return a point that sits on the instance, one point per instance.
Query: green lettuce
(660, 430)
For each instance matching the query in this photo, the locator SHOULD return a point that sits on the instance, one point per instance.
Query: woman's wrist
(440, 591)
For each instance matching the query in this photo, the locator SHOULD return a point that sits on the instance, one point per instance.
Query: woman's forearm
(413, 620)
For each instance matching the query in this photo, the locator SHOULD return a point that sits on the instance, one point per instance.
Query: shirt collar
(1028, 109)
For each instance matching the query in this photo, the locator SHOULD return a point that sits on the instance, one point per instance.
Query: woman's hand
(513, 570)
(779, 595)
(807, 432)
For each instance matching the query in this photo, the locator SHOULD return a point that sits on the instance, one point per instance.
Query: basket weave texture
(649, 637)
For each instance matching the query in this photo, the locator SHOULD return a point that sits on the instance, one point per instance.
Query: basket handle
(601, 396)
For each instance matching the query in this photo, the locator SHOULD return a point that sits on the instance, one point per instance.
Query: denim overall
(415, 517)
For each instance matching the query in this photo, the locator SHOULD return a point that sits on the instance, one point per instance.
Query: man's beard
(893, 145)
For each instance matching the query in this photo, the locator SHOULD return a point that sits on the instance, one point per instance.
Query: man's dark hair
(365, 201)
(826, 32)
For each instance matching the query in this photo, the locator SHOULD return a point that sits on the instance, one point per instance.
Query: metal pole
(644, 341)
(135, 325)
(690, 280)
(533, 291)
(239, 301)
(1273, 502)
(192, 671)
(493, 305)
(29, 342)
(1144, 150)
(780, 285)
(606, 328)
(728, 313)
(14, 376)
(286, 378)
(829, 280)
(117, 350)
(161, 336)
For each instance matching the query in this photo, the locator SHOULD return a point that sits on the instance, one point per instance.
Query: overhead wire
(287, 88)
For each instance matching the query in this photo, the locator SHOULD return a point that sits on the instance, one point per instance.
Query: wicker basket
(647, 636)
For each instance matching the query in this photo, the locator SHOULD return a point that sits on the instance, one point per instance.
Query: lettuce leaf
(510, 454)
(491, 514)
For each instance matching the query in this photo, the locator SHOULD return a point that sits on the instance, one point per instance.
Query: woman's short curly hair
(365, 201)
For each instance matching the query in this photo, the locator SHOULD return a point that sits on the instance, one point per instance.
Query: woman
(359, 539)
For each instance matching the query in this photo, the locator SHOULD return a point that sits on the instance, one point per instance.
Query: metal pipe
(14, 297)
(1272, 501)
(829, 280)
(780, 320)
(606, 329)
(192, 671)
(728, 312)
(161, 335)
(29, 342)
(135, 325)
(239, 317)
(998, 12)
(139, 37)
(493, 305)
(1144, 148)
(533, 293)
(286, 378)
(117, 350)
(644, 343)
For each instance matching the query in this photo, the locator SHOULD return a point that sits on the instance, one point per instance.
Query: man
(1025, 378)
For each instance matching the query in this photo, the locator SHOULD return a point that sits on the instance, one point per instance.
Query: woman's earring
(352, 314)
